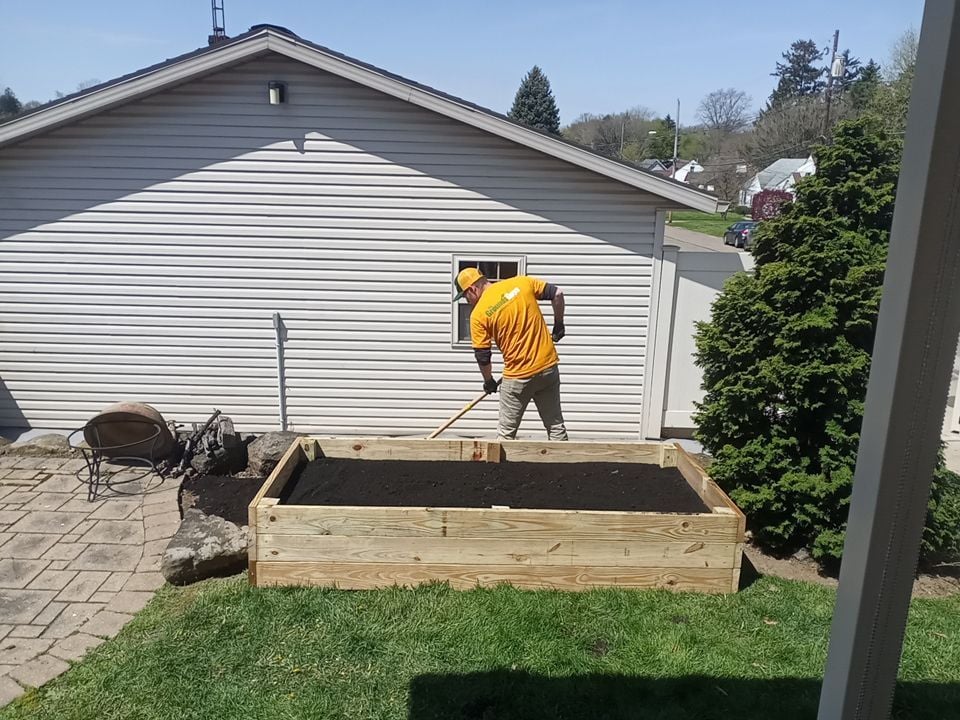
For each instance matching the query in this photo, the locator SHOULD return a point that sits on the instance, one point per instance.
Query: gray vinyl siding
(145, 250)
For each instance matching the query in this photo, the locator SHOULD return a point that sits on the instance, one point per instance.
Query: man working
(507, 312)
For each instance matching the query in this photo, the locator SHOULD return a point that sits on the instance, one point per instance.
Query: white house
(684, 168)
(780, 175)
(153, 226)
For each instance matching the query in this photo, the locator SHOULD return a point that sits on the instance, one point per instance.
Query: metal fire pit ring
(96, 449)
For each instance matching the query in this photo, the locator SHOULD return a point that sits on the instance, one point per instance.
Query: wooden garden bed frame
(354, 547)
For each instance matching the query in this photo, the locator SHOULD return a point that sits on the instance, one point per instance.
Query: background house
(684, 168)
(780, 175)
(164, 232)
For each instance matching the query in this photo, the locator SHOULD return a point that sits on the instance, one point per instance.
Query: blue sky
(600, 56)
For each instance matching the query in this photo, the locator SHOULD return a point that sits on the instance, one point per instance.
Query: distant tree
(852, 69)
(891, 101)
(768, 203)
(621, 134)
(725, 110)
(800, 75)
(903, 56)
(792, 129)
(534, 104)
(668, 122)
(9, 105)
(30, 105)
(862, 91)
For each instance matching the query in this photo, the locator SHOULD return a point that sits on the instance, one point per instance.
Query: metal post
(676, 141)
(280, 332)
(833, 57)
(909, 379)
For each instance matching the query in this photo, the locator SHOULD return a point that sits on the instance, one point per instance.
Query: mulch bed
(559, 486)
(224, 496)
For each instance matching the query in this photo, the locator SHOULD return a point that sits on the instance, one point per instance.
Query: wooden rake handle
(467, 408)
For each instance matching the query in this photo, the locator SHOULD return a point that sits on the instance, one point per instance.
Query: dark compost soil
(226, 497)
(560, 486)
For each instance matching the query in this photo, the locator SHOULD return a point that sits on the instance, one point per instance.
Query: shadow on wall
(516, 695)
(12, 420)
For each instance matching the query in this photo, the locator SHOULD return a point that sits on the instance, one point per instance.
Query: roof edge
(265, 38)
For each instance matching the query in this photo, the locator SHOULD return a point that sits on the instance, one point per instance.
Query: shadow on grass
(517, 695)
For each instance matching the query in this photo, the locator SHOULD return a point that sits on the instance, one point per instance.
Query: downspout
(280, 332)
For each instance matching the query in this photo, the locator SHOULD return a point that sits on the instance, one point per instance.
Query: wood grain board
(370, 576)
(357, 521)
(493, 551)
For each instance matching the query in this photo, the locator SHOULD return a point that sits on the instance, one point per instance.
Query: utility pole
(622, 123)
(831, 73)
(676, 141)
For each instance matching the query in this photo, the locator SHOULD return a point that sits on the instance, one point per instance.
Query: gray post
(912, 360)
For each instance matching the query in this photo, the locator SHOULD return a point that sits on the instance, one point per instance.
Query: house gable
(268, 39)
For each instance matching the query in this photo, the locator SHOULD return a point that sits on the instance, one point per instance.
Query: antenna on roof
(219, 29)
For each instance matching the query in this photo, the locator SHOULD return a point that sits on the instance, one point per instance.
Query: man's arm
(555, 295)
(482, 342)
(558, 307)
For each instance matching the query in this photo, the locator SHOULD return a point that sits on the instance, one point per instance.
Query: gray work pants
(544, 389)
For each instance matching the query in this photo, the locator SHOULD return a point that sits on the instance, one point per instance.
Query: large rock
(265, 452)
(49, 445)
(205, 546)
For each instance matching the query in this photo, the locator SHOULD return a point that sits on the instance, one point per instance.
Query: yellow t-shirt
(507, 313)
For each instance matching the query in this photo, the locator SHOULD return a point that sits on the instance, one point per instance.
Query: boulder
(49, 445)
(265, 452)
(205, 546)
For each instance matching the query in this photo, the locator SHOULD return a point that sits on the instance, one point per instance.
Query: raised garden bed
(371, 513)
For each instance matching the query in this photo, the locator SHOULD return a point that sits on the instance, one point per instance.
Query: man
(507, 312)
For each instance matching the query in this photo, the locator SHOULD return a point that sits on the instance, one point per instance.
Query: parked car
(739, 234)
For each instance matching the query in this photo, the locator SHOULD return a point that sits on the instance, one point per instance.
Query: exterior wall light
(277, 92)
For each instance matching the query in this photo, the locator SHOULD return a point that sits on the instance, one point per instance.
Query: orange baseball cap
(465, 278)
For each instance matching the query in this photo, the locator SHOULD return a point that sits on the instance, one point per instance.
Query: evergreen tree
(851, 71)
(786, 355)
(800, 74)
(9, 105)
(862, 91)
(668, 122)
(534, 104)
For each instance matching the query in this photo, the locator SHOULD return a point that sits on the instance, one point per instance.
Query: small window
(494, 269)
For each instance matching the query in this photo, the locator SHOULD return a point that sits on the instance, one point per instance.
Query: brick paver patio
(72, 572)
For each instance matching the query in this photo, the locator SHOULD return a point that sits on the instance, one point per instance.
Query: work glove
(490, 386)
(559, 330)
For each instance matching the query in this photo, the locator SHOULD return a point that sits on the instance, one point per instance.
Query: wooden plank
(546, 451)
(668, 456)
(356, 521)
(402, 449)
(494, 452)
(368, 576)
(272, 486)
(708, 490)
(310, 449)
(490, 551)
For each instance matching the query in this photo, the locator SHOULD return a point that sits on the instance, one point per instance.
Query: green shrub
(786, 355)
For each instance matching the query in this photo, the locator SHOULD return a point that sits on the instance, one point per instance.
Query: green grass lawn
(709, 223)
(223, 650)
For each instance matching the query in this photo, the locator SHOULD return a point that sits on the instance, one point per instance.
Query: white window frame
(521, 261)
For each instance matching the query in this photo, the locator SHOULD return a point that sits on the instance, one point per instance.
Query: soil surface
(226, 497)
(803, 567)
(553, 486)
